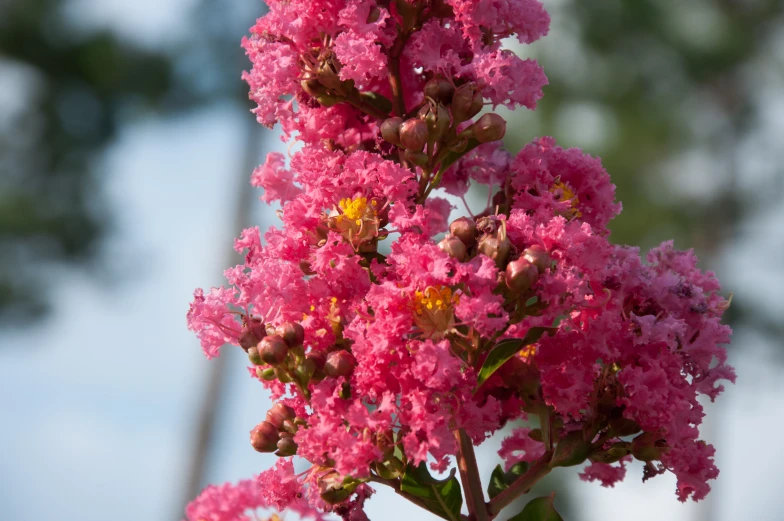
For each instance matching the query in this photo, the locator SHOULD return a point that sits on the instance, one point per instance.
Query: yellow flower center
(357, 208)
(434, 310)
(564, 193)
(434, 299)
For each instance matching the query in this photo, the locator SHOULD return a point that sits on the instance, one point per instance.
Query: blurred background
(125, 150)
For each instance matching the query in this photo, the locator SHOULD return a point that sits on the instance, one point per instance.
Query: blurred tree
(668, 94)
(66, 92)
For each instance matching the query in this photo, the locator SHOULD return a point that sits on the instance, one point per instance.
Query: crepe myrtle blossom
(385, 364)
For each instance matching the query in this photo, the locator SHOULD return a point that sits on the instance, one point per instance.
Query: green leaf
(571, 450)
(506, 349)
(539, 509)
(500, 480)
(497, 482)
(442, 497)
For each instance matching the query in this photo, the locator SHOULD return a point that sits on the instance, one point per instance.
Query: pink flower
(519, 446)
(277, 182)
(377, 343)
(608, 475)
(227, 502)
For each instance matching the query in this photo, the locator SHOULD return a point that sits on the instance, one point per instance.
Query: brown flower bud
(537, 256)
(440, 90)
(466, 102)
(252, 332)
(273, 350)
(413, 134)
(521, 275)
(318, 360)
(438, 121)
(490, 127)
(454, 247)
(390, 130)
(464, 229)
(292, 333)
(279, 413)
(286, 447)
(495, 248)
(340, 363)
(264, 437)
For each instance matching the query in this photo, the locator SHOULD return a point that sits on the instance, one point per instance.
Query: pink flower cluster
(379, 337)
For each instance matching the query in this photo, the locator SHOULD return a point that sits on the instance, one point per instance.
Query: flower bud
(413, 134)
(292, 333)
(340, 363)
(464, 229)
(390, 130)
(267, 374)
(537, 256)
(318, 360)
(252, 332)
(279, 413)
(521, 275)
(264, 437)
(273, 350)
(454, 247)
(438, 121)
(418, 158)
(490, 127)
(466, 102)
(495, 248)
(286, 447)
(254, 356)
(440, 90)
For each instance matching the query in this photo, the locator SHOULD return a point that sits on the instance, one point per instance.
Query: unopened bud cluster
(434, 132)
(467, 238)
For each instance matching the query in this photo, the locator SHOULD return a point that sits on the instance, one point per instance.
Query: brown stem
(367, 108)
(395, 81)
(521, 485)
(469, 476)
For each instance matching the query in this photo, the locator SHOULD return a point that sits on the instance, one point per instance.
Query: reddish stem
(469, 476)
(521, 485)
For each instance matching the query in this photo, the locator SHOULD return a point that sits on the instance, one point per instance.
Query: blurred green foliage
(662, 78)
(652, 71)
(661, 83)
(72, 90)
(75, 87)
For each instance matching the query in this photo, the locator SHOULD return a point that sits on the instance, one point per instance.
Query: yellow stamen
(564, 193)
(354, 209)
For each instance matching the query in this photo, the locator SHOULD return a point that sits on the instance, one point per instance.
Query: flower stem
(469, 476)
(521, 485)
(395, 80)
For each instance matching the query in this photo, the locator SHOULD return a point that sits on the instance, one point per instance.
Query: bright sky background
(98, 399)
